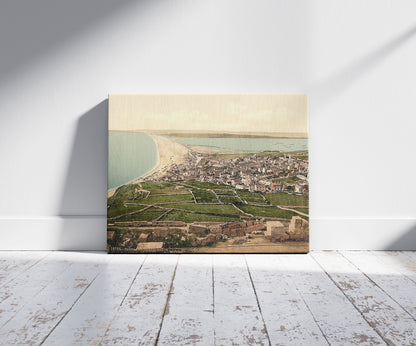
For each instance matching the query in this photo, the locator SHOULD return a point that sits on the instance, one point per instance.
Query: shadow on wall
(84, 197)
(85, 188)
(406, 242)
(25, 27)
(322, 93)
(327, 90)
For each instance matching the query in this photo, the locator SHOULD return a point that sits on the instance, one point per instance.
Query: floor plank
(35, 320)
(387, 277)
(401, 261)
(338, 319)
(287, 317)
(139, 318)
(391, 322)
(189, 318)
(326, 297)
(90, 317)
(17, 292)
(236, 312)
(14, 263)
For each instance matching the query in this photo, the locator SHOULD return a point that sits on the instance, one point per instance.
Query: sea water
(130, 155)
(249, 144)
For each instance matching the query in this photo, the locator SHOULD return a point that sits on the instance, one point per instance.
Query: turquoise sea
(250, 145)
(130, 155)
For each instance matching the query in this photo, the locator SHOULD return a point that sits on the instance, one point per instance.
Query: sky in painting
(267, 113)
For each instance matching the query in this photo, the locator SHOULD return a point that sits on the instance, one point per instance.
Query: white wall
(59, 60)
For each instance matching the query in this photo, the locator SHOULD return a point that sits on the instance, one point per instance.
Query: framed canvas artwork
(208, 174)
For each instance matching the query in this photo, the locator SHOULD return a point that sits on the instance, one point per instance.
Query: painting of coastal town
(208, 174)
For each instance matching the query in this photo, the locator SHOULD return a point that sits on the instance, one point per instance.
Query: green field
(303, 210)
(177, 215)
(121, 209)
(166, 199)
(229, 199)
(116, 202)
(147, 215)
(227, 196)
(252, 197)
(203, 185)
(189, 211)
(281, 198)
(207, 208)
(147, 185)
(224, 192)
(204, 196)
(125, 192)
(169, 191)
(267, 211)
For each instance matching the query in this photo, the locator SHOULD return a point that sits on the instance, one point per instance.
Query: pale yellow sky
(220, 113)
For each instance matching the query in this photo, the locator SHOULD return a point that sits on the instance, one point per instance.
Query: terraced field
(194, 201)
(177, 215)
(167, 198)
(204, 196)
(147, 215)
(285, 199)
(217, 209)
(252, 197)
(267, 211)
(123, 209)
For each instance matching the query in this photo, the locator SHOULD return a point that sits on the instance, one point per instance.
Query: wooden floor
(340, 298)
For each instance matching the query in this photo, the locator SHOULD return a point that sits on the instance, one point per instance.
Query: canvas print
(208, 174)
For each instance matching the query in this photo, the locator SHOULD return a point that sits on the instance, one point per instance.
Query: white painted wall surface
(60, 59)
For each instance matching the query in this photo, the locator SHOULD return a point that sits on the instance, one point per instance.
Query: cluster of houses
(257, 172)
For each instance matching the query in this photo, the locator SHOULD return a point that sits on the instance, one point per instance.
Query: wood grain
(394, 325)
(340, 298)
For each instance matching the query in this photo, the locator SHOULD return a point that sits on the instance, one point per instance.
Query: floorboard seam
(309, 309)
(122, 301)
(399, 269)
(36, 294)
(70, 308)
(257, 300)
(134, 279)
(373, 282)
(167, 301)
(352, 303)
(25, 270)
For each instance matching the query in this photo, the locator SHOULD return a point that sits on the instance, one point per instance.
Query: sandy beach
(170, 153)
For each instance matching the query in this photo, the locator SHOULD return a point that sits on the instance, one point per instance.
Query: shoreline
(169, 152)
(111, 191)
(155, 167)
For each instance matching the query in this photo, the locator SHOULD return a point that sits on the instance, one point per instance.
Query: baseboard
(53, 233)
(363, 234)
(88, 233)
